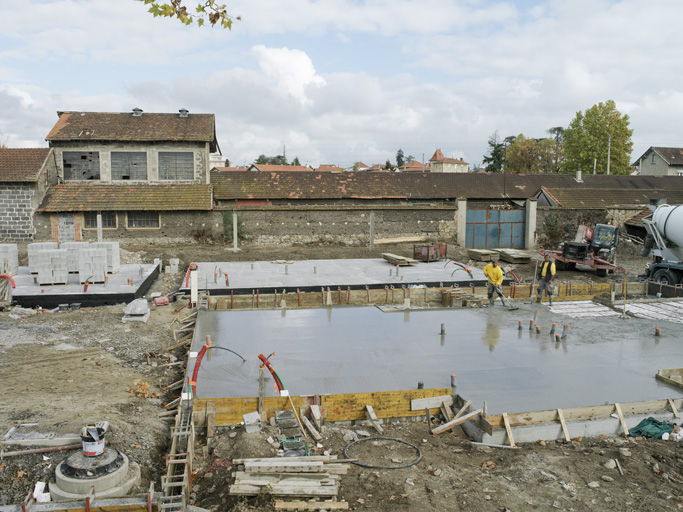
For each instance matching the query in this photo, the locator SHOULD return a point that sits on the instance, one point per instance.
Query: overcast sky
(338, 81)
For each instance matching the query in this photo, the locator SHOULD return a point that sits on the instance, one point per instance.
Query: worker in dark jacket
(546, 275)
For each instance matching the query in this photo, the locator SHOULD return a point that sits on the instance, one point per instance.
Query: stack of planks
(315, 476)
(482, 254)
(395, 259)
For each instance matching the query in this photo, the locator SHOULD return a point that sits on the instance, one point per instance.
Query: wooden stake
(261, 389)
(463, 409)
(316, 435)
(673, 408)
(508, 429)
(621, 418)
(210, 419)
(370, 415)
(560, 415)
(303, 432)
(459, 421)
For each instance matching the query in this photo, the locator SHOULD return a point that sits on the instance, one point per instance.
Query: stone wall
(175, 227)
(16, 212)
(345, 226)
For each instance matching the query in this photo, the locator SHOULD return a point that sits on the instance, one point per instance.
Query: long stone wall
(16, 213)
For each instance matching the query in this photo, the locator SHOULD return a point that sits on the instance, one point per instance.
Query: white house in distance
(439, 163)
(658, 161)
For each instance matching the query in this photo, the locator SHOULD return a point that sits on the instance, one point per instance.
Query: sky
(341, 81)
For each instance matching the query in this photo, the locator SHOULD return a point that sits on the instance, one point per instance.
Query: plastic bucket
(93, 440)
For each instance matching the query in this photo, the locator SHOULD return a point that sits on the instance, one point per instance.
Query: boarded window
(108, 220)
(175, 165)
(81, 165)
(128, 165)
(143, 219)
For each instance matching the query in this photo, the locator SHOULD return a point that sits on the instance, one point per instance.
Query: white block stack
(33, 254)
(113, 255)
(92, 262)
(73, 249)
(52, 266)
(9, 259)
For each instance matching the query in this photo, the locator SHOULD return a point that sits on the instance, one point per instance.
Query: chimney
(183, 112)
(137, 112)
(578, 176)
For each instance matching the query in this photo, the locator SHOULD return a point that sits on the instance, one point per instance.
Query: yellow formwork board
(229, 411)
(386, 404)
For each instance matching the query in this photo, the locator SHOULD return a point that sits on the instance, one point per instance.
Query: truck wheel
(665, 276)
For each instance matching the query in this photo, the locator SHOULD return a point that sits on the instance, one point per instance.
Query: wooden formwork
(337, 407)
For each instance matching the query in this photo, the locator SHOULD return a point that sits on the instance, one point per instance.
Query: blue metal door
(489, 229)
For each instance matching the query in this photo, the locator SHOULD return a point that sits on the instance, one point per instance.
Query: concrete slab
(353, 349)
(115, 291)
(311, 275)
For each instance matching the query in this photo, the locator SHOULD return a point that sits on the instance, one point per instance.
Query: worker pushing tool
(494, 273)
(546, 274)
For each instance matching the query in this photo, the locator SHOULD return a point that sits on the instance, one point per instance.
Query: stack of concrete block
(9, 259)
(175, 262)
(33, 250)
(113, 255)
(52, 266)
(73, 249)
(92, 263)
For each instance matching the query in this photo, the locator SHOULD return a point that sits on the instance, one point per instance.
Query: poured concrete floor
(361, 349)
(314, 274)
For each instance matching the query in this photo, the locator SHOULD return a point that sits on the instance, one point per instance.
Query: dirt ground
(62, 370)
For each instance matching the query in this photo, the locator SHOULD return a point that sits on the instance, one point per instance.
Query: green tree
(207, 10)
(496, 158)
(296, 161)
(557, 150)
(400, 159)
(530, 156)
(388, 166)
(591, 136)
(271, 160)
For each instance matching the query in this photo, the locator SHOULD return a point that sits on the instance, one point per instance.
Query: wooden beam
(316, 435)
(621, 418)
(430, 402)
(508, 429)
(463, 409)
(456, 422)
(673, 408)
(447, 412)
(316, 416)
(283, 466)
(372, 417)
(210, 419)
(285, 490)
(560, 415)
(311, 505)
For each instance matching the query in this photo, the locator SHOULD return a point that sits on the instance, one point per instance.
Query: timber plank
(285, 490)
(673, 408)
(617, 407)
(311, 505)
(284, 466)
(447, 412)
(464, 408)
(508, 429)
(456, 422)
(432, 402)
(316, 416)
(560, 415)
(309, 426)
(310, 458)
(372, 417)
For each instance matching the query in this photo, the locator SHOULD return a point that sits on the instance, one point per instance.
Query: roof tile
(21, 164)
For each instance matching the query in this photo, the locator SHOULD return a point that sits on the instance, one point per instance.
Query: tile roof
(329, 168)
(418, 185)
(21, 165)
(85, 198)
(280, 168)
(437, 156)
(124, 126)
(672, 156)
(603, 197)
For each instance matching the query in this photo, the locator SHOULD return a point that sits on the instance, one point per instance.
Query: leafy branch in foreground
(206, 11)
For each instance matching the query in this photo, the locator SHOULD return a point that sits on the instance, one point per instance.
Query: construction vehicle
(595, 248)
(665, 242)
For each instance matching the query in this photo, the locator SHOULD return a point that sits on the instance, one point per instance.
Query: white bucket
(93, 445)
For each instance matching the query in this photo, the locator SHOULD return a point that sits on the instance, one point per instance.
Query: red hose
(265, 361)
(198, 362)
(10, 279)
(193, 266)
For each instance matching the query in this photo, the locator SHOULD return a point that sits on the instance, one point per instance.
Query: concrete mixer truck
(665, 242)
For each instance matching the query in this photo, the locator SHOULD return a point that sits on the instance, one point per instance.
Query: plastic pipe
(10, 279)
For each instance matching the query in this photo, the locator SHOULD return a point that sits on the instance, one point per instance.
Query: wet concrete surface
(314, 274)
(361, 349)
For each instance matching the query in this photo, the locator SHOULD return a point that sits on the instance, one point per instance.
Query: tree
(557, 150)
(496, 158)
(529, 156)
(400, 159)
(388, 166)
(590, 137)
(296, 161)
(207, 10)
(271, 160)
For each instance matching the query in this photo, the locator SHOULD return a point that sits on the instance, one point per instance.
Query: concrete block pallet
(34, 249)
(113, 255)
(92, 263)
(9, 259)
(72, 249)
(52, 266)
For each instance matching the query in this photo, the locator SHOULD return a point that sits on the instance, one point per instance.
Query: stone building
(658, 161)
(25, 174)
(130, 175)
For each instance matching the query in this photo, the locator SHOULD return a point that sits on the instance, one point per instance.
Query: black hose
(419, 453)
(223, 348)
